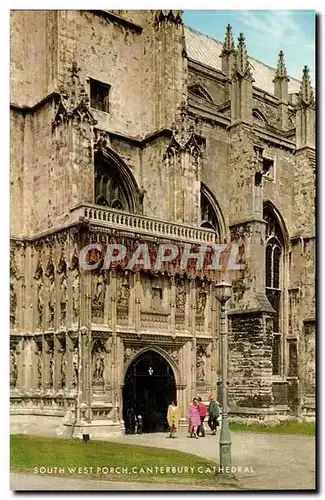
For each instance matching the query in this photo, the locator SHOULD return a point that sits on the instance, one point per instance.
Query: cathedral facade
(129, 128)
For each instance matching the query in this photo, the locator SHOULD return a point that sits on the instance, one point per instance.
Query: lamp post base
(225, 445)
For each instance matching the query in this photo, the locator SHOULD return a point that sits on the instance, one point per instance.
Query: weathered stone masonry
(191, 149)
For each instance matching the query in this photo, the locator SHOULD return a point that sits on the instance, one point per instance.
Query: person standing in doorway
(203, 414)
(194, 417)
(172, 418)
(213, 415)
(139, 424)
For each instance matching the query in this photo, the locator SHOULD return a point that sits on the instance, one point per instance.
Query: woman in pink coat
(194, 418)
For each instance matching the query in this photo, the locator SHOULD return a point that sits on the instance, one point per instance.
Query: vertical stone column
(137, 302)
(119, 380)
(215, 339)
(58, 354)
(20, 364)
(69, 314)
(57, 310)
(29, 290)
(46, 362)
(33, 366)
(114, 352)
(28, 362)
(132, 302)
(69, 374)
(193, 331)
(242, 89)
(172, 306)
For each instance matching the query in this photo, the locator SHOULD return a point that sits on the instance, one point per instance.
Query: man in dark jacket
(213, 415)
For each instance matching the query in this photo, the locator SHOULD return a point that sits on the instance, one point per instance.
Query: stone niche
(155, 310)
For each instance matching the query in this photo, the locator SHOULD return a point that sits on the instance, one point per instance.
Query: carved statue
(51, 368)
(180, 297)
(13, 369)
(98, 362)
(200, 366)
(75, 366)
(64, 363)
(63, 297)
(99, 297)
(125, 289)
(128, 351)
(40, 302)
(75, 297)
(51, 302)
(13, 305)
(39, 369)
(100, 291)
(201, 301)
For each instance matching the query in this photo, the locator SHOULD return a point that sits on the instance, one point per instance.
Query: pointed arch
(272, 214)
(200, 91)
(211, 215)
(115, 184)
(162, 353)
(276, 244)
(256, 113)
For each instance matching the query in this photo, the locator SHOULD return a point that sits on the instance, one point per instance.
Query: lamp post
(223, 292)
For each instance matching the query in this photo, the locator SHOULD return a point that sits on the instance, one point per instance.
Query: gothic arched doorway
(149, 387)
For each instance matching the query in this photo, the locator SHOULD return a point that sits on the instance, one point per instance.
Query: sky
(266, 32)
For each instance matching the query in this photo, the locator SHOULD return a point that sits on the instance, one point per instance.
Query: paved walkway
(262, 462)
(278, 461)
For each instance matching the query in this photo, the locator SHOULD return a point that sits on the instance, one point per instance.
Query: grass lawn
(39, 455)
(306, 428)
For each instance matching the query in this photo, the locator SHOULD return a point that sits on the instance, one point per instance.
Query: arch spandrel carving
(133, 352)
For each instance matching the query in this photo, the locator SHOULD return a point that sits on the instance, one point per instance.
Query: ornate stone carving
(13, 366)
(63, 298)
(180, 296)
(185, 138)
(75, 296)
(123, 291)
(62, 270)
(50, 273)
(98, 295)
(13, 304)
(74, 101)
(173, 353)
(168, 17)
(101, 139)
(74, 267)
(200, 364)
(39, 363)
(75, 362)
(63, 369)
(98, 363)
(201, 298)
(130, 352)
(40, 293)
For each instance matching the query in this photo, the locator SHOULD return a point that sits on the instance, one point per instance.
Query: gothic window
(268, 169)
(258, 115)
(201, 92)
(109, 188)
(273, 281)
(99, 95)
(114, 183)
(209, 215)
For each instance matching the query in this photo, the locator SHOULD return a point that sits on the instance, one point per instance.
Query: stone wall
(250, 361)
(211, 84)
(30, 30)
